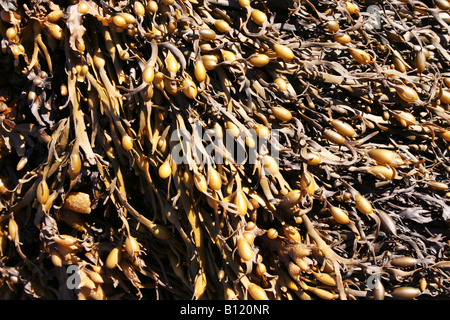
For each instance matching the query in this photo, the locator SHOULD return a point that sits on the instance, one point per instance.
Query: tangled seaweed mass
(223, 149)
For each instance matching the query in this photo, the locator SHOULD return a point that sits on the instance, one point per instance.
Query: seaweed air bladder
(223, 149)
